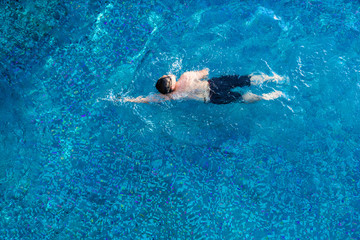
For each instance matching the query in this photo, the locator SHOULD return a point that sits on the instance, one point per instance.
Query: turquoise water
(76, 165)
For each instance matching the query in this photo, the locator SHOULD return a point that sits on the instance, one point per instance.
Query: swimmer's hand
(205, 72)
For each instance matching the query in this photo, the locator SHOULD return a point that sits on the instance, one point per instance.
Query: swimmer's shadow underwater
(195, 85)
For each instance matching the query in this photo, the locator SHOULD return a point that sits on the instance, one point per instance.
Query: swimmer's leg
(251, 98)
(258, 79)
(273, 95)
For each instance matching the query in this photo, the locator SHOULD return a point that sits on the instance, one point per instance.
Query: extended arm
(148, 99)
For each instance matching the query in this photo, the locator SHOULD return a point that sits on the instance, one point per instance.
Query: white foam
(111, 97)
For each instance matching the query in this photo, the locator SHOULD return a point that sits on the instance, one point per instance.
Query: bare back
(191, 86)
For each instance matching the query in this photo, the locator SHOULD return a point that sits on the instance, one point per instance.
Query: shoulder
(187, 75)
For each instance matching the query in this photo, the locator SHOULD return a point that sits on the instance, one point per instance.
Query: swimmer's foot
(276, 78)
(272, 95)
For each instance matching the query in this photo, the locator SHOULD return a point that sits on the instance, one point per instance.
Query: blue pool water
(75, 165)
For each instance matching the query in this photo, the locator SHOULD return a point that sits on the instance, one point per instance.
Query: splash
(111, 97)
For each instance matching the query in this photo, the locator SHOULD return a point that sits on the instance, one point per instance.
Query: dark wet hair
(163, 85)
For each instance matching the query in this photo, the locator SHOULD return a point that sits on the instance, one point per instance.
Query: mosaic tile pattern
(74, 166)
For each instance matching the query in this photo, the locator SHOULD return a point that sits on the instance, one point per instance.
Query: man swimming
(193, 85)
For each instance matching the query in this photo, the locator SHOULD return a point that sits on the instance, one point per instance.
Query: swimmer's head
(166, 84)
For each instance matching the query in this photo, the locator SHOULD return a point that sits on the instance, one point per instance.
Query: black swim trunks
(220, 88)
